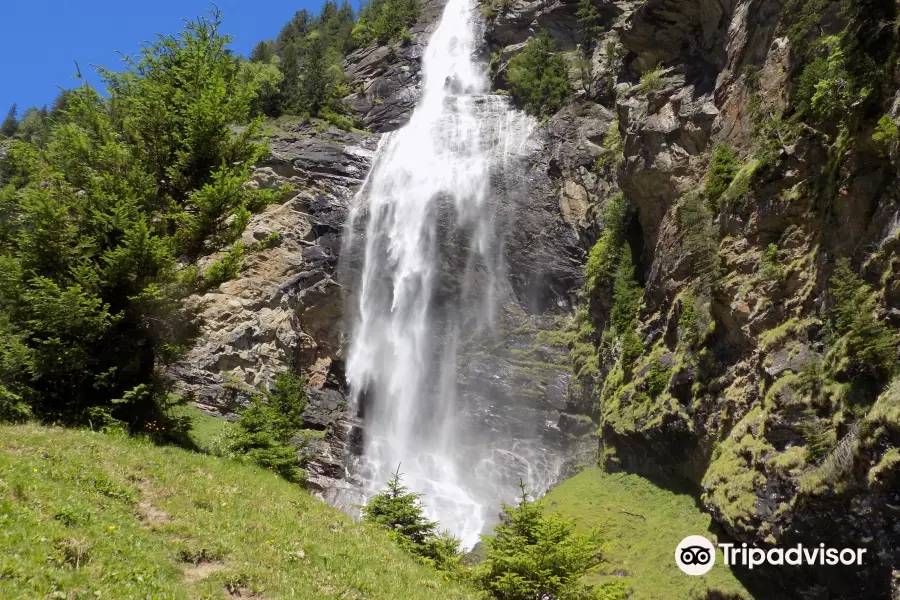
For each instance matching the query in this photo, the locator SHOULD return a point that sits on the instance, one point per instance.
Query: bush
(264, 429)
(827, 88)
(538, 76)
(401, 513)
(604, 254)
(651, 81)
(657, 379)
(590, 23)
(535, 555)
(723, 167)
(91, 289)
(623, 316)
(226, 268)
(871, 346)
(771, 268)
(699, 240)
(886, 132)
(613, 146)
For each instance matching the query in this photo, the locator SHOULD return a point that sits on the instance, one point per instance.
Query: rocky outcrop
(386, 78)
(283, 311)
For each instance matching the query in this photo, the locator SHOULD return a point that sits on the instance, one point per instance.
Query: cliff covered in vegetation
(733, 169)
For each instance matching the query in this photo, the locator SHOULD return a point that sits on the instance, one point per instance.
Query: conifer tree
(10, 123)
(535, 554)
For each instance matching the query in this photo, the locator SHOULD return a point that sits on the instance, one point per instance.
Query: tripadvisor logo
(696, 555)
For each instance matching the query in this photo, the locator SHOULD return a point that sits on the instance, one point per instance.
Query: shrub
(826, 88)
(538, 76)
(623, 316)
(771, 268)
(688, 322)
(657, 379)
(612, 148)
(871, 346)
(264, 429)
(142, 180)
(699, 240)
(886, 132)
(651, 81)
(626, 294)
(604, 254)
(401, 513)
(534, 554)
(723, 167)
(590, 23)
(226, 268)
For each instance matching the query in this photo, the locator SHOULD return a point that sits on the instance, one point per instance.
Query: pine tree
(871, 346)
(262, 52)
(10, 123)
(538, 76)
(535, 554)
(401, 513)
(590, 23)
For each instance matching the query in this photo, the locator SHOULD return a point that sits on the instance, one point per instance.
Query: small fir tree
(535, 554)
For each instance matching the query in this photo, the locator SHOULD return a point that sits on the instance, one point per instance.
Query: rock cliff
(743, 382)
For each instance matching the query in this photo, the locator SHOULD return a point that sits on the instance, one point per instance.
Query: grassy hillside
(89, 515)
(641, 549)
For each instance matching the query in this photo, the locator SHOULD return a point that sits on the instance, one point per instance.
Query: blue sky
(41, 39)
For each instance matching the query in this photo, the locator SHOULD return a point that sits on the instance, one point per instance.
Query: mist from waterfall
(431, 271)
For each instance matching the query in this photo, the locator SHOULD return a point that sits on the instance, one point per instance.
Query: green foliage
(106, 198)
(11, 123)
(538, 76)
(689, 332)
(265, 428)
(136, 519)
(401, 513)
(265, 79)
(384, 21)
(307, 56)
(263, 52)
(604, 254)
(657, 379)
(770, 268)
(723, 167)
(535, 554)
(699, 240)
(651, 81)
(225, 268)
(886, 131)
(819, 436)
(613, 145)
(871, 346)
(627, 295)
(836, 78)
(590, 23)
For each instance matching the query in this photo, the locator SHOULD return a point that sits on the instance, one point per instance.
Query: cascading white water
(431, 272)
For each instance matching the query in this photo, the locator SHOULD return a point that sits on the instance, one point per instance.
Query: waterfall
(430, 271)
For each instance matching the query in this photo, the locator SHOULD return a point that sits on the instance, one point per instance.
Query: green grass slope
(88, 515)
(642, 549)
